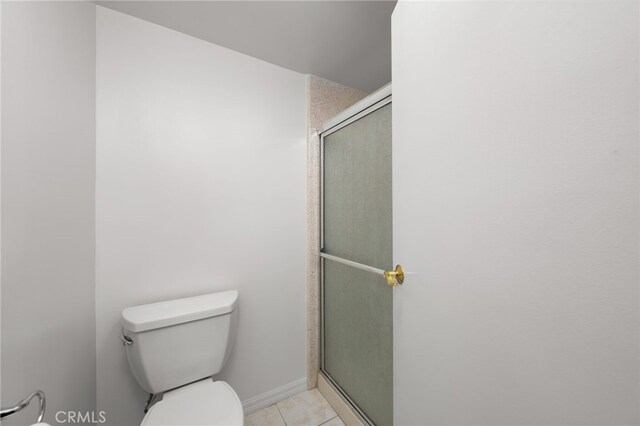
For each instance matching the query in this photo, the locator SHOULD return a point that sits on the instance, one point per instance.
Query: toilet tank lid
(172, 312)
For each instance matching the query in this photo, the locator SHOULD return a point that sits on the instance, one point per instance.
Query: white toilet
(175, 347)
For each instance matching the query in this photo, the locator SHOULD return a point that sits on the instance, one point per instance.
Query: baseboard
(276, 395)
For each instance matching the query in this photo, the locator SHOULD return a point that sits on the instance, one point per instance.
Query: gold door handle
(395, 278)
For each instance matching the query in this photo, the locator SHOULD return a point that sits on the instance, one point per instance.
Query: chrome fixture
(6, 412)
(126, 340)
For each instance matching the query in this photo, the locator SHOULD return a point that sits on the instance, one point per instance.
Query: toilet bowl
(204, 403)
(174, 348)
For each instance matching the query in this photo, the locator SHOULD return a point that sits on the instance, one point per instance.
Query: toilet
(174, 348)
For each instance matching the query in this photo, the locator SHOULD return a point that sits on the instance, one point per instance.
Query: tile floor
(308, 408)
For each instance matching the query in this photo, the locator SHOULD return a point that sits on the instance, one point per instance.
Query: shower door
(357, 324)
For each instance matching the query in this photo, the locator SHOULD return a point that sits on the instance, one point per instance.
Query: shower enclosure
(356, 248)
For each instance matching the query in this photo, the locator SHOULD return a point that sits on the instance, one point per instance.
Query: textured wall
(48, 232)
(325, 99)
(515, 144)
(200, 188)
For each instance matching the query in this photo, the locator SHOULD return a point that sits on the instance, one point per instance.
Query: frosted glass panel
(358, 338)
(357, 305)
(357, 190)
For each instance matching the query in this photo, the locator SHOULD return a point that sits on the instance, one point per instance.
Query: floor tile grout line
(284, 421)
(281, 416)
(325, 422)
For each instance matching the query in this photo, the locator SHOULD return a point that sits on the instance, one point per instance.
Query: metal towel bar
(6, 412)
(394, 278)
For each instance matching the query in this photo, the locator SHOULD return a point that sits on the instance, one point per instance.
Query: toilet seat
(203, 403)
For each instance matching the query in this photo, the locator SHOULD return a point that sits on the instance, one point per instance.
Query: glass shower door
(357, 325)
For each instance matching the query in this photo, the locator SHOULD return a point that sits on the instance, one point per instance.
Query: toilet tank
(173, 343)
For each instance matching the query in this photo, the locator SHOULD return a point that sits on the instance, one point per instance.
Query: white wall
(516, 205)
(200, 188)
(48, 171)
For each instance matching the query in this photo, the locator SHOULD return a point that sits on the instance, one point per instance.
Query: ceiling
(348, 42)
